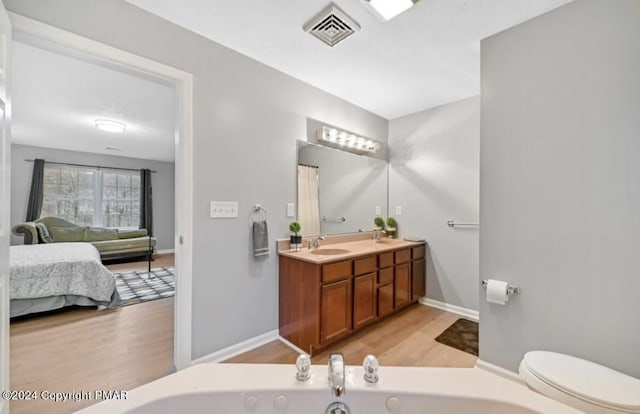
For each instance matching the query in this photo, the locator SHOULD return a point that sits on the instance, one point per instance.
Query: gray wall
(247, 118)
(560, 179)
(162, 180)
(351, 186)
(434, 176)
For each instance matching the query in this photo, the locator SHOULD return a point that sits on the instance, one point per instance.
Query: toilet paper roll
(497, 292)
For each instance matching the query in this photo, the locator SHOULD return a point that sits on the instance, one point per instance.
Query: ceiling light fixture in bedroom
(110, 125)
(388, 9)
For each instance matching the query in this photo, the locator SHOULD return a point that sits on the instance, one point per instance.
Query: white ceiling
(56, 100)
(426, 57)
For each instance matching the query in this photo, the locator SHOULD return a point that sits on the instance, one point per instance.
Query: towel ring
(257, 209)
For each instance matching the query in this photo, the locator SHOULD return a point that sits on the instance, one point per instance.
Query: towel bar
(453, 223)
(257, 208)
(334, 220)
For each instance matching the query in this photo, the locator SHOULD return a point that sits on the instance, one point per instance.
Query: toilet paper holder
(511, 290)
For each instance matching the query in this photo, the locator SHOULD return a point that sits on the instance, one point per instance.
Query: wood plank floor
(404, 339)
(87, 350)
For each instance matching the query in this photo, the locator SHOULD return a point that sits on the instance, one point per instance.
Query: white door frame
(183, 83)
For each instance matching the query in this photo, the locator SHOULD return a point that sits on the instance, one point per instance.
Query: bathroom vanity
(327, 294)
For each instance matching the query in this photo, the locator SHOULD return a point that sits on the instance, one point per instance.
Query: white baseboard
(292, 346)
(239, 348)
(494, 369)
(459, 310)
(165, 251)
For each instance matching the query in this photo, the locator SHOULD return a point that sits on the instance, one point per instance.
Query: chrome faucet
(315, 243)
(336, 374)
(377, 234)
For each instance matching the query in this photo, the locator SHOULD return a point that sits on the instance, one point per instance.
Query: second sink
(329, 252)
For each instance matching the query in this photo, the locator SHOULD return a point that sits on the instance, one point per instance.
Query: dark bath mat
(462, 335)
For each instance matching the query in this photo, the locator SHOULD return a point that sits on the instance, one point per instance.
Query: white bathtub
(250, 388)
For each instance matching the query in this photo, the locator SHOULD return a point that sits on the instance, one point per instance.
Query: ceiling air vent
(331, 25)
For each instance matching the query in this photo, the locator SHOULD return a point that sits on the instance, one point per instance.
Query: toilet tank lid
(585, 379)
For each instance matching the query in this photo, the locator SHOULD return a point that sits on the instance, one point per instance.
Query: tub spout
(336, 374)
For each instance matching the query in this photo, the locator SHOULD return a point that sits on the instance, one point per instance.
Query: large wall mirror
(339, 191)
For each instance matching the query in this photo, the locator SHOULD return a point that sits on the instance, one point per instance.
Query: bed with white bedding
(53, 275)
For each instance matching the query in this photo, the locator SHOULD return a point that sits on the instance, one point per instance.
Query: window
(92, 197)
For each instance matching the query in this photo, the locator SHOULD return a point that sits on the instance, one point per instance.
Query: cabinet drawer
(403, 256)
(385, 276)
(417, 252)
(364, 266)
(386, 260)
(336, 271)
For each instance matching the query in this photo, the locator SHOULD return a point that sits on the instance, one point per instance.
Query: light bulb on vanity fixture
(386, 10)
(110, 125)
(347, 141)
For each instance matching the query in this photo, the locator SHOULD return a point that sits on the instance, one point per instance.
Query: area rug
(462, 335)
(138, 286)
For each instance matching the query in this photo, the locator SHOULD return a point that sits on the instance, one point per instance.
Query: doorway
(51, 38)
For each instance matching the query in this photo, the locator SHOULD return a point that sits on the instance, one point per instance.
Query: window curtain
(308, 200)
(146, 204)
(34, 206)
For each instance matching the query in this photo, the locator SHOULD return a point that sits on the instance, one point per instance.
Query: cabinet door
(336, 319)
(364, 300)
(418, 279)
(385, 300)
(402, 283)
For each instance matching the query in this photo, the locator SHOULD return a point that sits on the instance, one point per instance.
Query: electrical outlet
(378, 210)
(398, 210)
(291, 210)
(223, 209)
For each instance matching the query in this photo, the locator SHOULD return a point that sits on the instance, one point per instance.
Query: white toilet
(581, 384)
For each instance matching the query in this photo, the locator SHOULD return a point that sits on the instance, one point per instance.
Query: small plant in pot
(392, 227)
(379, 222)
(295, 240)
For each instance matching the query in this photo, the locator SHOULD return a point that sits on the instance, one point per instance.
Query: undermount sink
(330, 252)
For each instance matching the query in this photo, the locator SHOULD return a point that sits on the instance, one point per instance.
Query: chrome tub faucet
(337, 374)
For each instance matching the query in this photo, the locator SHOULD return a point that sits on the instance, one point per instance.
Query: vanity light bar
(347, 140)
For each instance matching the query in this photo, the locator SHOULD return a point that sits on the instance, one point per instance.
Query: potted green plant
(379, 222)
(392, 227)
(295, 240)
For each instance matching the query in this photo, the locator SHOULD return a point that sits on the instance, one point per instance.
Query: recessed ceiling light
(110, 125)
(388, 9)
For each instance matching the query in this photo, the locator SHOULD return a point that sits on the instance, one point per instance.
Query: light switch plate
(223, 209)
(378, 210)
(291, 210)
(398, 210)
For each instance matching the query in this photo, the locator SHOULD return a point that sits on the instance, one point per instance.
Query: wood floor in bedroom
(87, 350)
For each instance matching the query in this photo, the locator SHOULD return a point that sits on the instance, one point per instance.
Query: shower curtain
(308, 201)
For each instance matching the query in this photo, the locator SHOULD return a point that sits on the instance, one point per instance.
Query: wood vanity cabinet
(402, 285)
(365, 306)
(335, 320)
(321, 303)
(402, 279)
(418, 273)
(385, 284)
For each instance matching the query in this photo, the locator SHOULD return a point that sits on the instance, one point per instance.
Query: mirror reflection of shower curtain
(308, 200)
